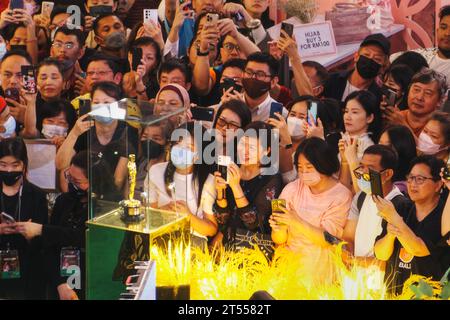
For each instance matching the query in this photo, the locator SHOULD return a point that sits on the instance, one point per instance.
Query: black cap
(379, 40)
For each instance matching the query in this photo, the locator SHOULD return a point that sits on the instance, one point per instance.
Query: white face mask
(2, 50)
(10, 128)
(50, 130)
(426, 145)
(295, 127)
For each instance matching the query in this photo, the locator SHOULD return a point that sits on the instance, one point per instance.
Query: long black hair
(402, 140)
(201, 170)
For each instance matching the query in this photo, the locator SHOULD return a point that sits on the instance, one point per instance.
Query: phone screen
(375, 183)
(312, 112)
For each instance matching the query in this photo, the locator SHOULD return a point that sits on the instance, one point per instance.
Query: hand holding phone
(6, 218)
(47, 8)
(212, 18)
(278, 205)
(84, 107)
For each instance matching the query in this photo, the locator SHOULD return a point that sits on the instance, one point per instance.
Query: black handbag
(249, 239)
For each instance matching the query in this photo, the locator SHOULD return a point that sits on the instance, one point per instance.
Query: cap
(379, 40)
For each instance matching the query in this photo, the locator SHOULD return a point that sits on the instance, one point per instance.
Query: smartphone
(136, 58)
(288, 28)
(29, 78)
(200, 113)
(16, 4)
(188, 7)
(212, 18)
(238, 17)
(331, 239)
(6, 218)
(375, 183)
(447, 170)
(13, 94)
(84, 107)
(223, 163)
(150, 15)
(96, 11)
(275, 107)
(47, 8)
(278, 205)
(230, 83)
(312, 112)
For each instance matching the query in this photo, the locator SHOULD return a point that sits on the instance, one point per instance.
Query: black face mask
(96, 11)
(255, 88)
(10, 178)
(76, 191)
(367, 68)
(151, 149)
(21, 47)
(445, 53)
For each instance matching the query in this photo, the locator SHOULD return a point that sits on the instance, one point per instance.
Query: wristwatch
(253, 24)
(202, 54)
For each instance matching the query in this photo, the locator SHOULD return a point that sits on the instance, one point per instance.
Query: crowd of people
(361, 156)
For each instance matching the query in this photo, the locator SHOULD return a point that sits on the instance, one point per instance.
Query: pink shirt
(328, 211)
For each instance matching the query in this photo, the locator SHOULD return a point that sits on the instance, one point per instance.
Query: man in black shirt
(372, 56)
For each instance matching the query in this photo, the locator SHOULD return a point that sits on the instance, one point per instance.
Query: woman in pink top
(316, 202)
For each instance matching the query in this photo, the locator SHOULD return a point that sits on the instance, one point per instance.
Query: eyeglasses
(364, 175)
(230, 47)
(223, 123)
(69, 178)
(101, 73)
(59, 45)
(419, 180)
(260, 75)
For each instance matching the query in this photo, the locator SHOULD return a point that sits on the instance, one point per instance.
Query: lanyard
(18, 206)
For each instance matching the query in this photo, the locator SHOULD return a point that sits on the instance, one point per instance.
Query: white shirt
(368, 227)
(262, 112)
(434, 61)
(185, 189)
(349, 88)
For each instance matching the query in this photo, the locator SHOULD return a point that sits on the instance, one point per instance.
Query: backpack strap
(360, 201)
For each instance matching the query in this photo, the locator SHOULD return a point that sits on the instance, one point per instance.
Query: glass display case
(127, 215)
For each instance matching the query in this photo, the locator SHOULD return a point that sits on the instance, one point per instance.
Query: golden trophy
(131, 207)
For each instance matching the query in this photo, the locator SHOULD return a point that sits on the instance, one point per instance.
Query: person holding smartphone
(179, 184)
(410, 240)
(363, 223)
(243, 201)
(27, 205)
(316, 202)
(12, 85)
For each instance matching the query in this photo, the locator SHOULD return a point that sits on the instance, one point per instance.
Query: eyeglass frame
(365, 176)
(226, 124)
(414, 179)
(233, 47)
(59, 45)
(253, 74)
